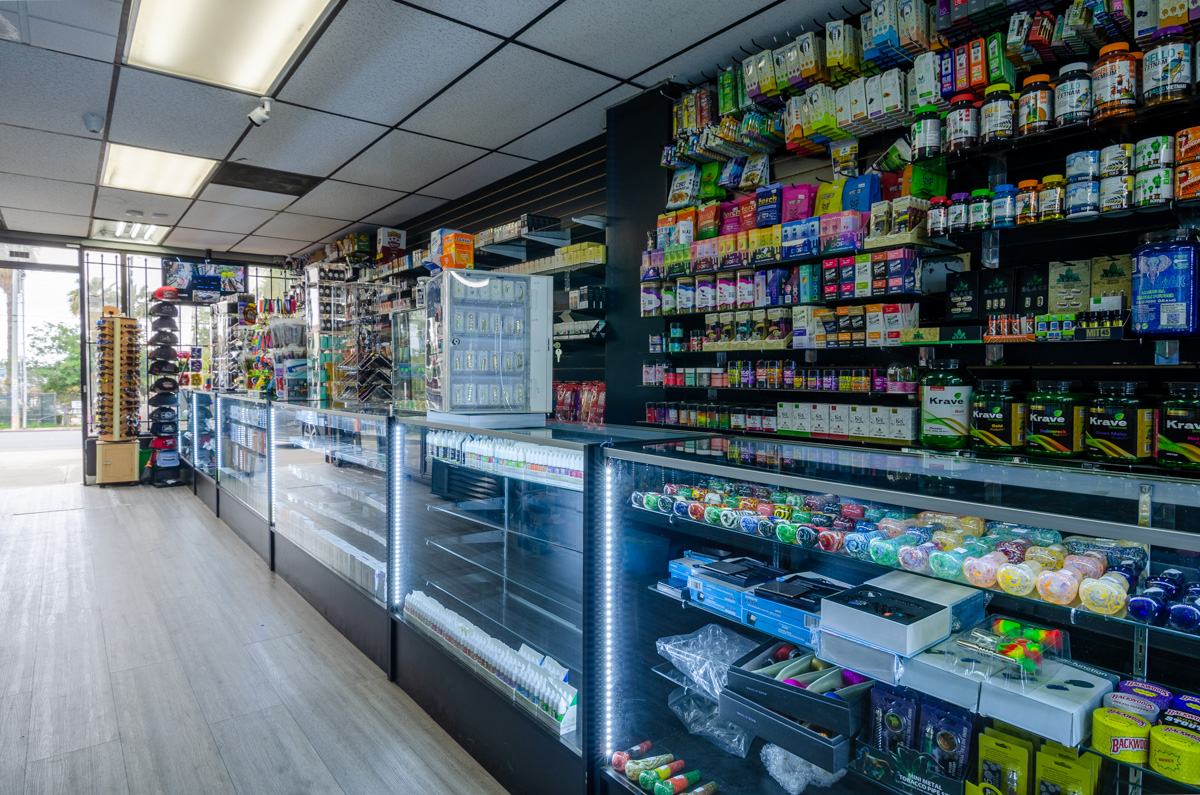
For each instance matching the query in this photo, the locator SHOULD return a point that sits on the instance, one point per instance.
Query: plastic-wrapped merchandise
(704, 655)
(794, 774)
(701, 716)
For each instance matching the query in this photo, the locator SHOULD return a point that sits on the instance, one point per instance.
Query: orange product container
(1115, 85)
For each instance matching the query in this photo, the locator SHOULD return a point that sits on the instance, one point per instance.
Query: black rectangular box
(962, 296)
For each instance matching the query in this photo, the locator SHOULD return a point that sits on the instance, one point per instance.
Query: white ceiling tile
(636, 34)
(576, 127)
(50, 90)
(305, 141)
(515, 90)
(334, 199)
(477, 175)
(200, 239)
(408, 207)
(271, 246)
(224, 217)
(45, 223)
(157, 111)
(379, 60)
(299, 227)
(246, 197)
(765, 28)
(101, 16)
(503, 18)
(42, 154)
(68, 38)
(112, 204)
(404, 161)
(47, 195)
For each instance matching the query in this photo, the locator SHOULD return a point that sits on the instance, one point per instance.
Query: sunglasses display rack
(164, 398)
(118, 399)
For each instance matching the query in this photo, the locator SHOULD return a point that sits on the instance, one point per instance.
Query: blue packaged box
(796, 240)
(768, 206)
(776, 286)
(1165, 287)
(717, 596)
(682, 567)
(806, 633)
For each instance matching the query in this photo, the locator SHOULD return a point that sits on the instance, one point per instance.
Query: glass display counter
(331, 495)
(202, 432)
(242, 445)
(739, 541)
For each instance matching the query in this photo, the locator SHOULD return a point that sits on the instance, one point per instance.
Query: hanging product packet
(684, 188)
(945, 734)
(731, 173)
(844, 154)
(710, 173)
(757, 173)
(708, 220)
(798, 202)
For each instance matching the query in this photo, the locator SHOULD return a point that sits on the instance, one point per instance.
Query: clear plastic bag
(701, 716)
(704, 656)
(793, 773)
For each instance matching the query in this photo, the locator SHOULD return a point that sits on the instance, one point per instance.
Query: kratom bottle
(945, 406)
(1057, 418)
(1120, 425)
(1178, 425)
(998, 416)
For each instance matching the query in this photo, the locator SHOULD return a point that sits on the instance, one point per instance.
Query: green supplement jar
(946, 406)
(1179, 427)
(998, 416)
(1120, 425)
(1056, 420)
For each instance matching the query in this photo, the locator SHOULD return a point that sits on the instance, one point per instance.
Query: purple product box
(947, 73)
(776, 286)
(791, 287)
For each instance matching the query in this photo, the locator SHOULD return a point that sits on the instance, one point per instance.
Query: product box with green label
(1032, 290)
(997, 288)
(962, 296)
(1112, 276)
(1070, 286)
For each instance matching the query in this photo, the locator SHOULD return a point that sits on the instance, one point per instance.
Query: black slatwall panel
(572, 183)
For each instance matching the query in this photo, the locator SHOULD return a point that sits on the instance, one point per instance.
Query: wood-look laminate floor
(145, 649)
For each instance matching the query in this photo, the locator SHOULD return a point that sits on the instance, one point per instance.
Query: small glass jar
(1035, 110)
(812, 380)
(845, 381)
(754, 418)
(956, 214)
(1004, 207)
(1027, 202)
(926, 132)
(901, 379)
(979, 211)
(737, 418)
(996, 115)
(770, 419)
(1168, 67)
(962, 124)
(1052, 198)
(1073, 95)
(938, 217)
(1114, 83)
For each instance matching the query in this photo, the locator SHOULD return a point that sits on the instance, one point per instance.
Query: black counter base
(249, 526)
(206, 490)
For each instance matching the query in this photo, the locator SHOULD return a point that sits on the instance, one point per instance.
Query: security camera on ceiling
(258, 117)
(94, 122)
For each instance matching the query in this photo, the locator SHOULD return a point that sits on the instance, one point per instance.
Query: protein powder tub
(1116, 160)
(996, 116)
(1178, 429)
(1114, 82)
(1157, 151)
(926, 132)
(1083, 200)
(1035, 108)
(1116, 195)
(1153, 189)
(945, 406)
(1167, 67)
(1120, 425)
(1073, 95)
(962, 124)
(1056, 420)
(998, 416)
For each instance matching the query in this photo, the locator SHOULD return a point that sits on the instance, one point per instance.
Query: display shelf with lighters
(705, 545)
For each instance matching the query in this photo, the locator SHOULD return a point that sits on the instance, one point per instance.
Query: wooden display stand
(117, 462)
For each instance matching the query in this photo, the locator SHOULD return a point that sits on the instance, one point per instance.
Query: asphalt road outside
(40, 458)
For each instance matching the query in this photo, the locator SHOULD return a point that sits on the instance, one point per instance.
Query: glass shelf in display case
(491, 544)
(331, 496)
(408, 358)
(202, 427)
(242, 445)
(794, 509)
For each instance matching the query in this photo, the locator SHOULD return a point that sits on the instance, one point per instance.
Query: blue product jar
(1004, 206)
(1164, 283)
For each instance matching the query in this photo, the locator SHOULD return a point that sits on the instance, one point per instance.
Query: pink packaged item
(798, 202)
(731, 217)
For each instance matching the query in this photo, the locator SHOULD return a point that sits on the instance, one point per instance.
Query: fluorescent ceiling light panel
(121, 232)
(151, 171)
(242, 44)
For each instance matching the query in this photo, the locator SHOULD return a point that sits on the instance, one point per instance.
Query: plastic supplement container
(926, 132)
(1157, 151)
(1004, 207)
(1167, 67)
(1120, 425)
(1116, 160)
(1153, 189)
(1083, 200)
(1083, 165)
(1052, 198)
(945, 406)
(996, 115)
(1056, 419)
(1027, 202)
(1114, 82)
(956, 214)
(962, 124)
(998, 416)
(937, 220)
(1116, 195)
(1164, 283)
(1073, 95)
(1035, 109)
(979, 211)
(1178, 427)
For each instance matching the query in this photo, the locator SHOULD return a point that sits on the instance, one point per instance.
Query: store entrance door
(40, 350)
